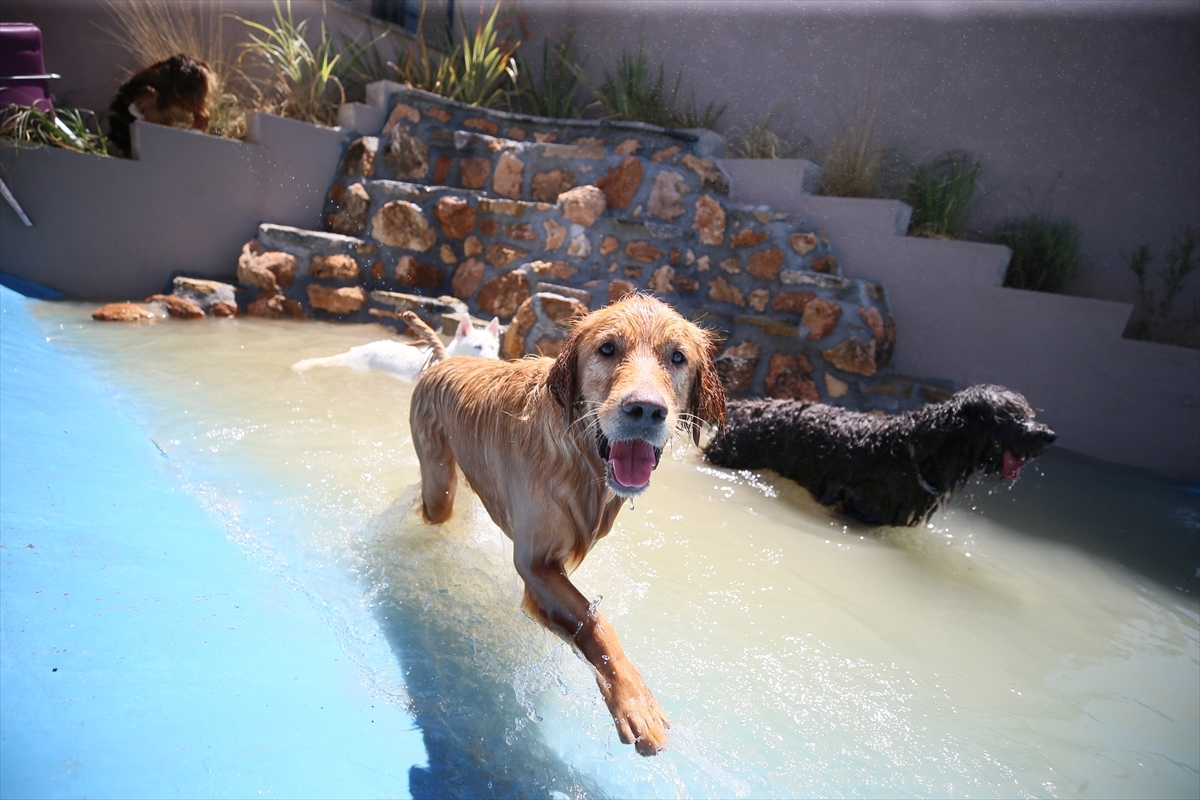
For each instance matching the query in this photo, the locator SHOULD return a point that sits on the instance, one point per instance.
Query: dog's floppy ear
(561, 380)
(707, 403)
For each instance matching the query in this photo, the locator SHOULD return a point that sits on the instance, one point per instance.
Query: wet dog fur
(161, 93)
(881, 470)
(554, 447)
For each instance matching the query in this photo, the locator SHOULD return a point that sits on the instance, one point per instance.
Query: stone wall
(542, 231)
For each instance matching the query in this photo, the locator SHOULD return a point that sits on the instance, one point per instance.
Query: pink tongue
(1012, 466)
(632, 462)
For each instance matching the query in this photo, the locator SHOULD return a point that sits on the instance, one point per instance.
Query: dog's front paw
(640, 720)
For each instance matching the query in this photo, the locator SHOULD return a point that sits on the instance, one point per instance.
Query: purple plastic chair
(23, 77)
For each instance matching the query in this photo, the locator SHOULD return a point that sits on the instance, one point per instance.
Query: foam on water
(1038, 641)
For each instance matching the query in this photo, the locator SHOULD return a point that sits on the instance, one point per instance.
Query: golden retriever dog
(553, 447)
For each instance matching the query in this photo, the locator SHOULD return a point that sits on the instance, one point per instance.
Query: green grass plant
(32, 127)
(633, 91)
(1046, 252)
(942, 195)
(855, 162)
(760, 141)
(1157, 322)
(556, 93)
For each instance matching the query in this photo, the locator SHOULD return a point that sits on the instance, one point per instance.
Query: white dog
(407, 361)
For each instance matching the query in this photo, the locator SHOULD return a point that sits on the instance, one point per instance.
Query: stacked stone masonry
(452, 209)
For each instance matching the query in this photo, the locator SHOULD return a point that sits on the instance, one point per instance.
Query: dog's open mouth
(630, 462)
(1012, 466)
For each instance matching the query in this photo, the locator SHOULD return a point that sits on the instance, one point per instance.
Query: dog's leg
(439, 479)
(553, 600)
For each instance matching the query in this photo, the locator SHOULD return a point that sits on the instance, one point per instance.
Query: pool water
(1037, 639)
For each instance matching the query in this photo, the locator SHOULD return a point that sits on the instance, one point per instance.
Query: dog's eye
(678, 357)
(607, 349)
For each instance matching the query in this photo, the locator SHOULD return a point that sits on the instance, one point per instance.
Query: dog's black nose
(646, 411)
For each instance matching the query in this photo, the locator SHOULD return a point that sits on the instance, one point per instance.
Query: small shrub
(66, 128)
(1156, 323)
(632, 92)
(760, 141)
(556, 93)
(942, 195)
(302, 81)
(690, 117)
(1046, 253)
(856, 159)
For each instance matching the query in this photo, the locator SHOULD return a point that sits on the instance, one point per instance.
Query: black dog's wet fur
(881, 470)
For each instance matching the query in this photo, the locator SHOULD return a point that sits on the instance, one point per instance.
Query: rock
(561, 309)
(873, 319)
(732, 265)
(793, 302)
(547, 186)
(579, 247)
(456, 216)
(545, 137)
(821, 317)
(410, 272)
(765, 264)
(406, 155)
(673, 257)
(835, 388)
(633, 272)
(472, 246)
(666, 197)
(686, 284)
(438, 114)
(790, 377)
(266, 268)
(826, 264)
(737, 366)
(663, 280)
(506, 181)
(711, 177)
(223, 309)
(709, 221)
(402, 112)
(441, 170)
(489, 227)
(582, 204)
(333, 268)
(643, 251)
(446, 254)
(275, 306)
(550, 347)
(473, 172)
(339, 300)
(702, 264)
(481, 125)
(554, 269)
(609, 244)
(400, 223)
(521, 231)
(377, 272)
(515, 133)
(853, 355)
(351, 216)
(803, 243)
(514, 337)
(124, 312)
(467, 278)
(618, 288)
(627, 147)
(621, 182)
(503, 294)
(555, 234)
(723, 292)
(359, 161)
(511, 208)
(204, 293)
(759, 298)
(499, 254)
(748, 237)
(664, 155)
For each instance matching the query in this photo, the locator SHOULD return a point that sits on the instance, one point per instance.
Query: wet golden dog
(554, 447)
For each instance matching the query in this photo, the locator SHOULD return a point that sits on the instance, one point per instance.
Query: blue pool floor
(141, 655)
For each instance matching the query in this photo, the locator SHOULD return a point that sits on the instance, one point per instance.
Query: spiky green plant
(632, 91)
(1046, 252)
(301, 81)
(760, 141)
(556, 93)
(942, 195)
(66, 127)
(855, 161)
(690, 117)
(1156, 322)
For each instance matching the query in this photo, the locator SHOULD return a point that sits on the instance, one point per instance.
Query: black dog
(159, 94)
(883, 470)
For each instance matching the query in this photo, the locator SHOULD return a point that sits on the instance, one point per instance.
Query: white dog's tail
(308, 363)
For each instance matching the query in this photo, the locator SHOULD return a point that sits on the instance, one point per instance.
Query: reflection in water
(1036, 640)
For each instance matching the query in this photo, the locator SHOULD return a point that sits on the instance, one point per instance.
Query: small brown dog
(161, 93)
(554, 447)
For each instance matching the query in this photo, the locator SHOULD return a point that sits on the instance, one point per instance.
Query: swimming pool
(1036, 640)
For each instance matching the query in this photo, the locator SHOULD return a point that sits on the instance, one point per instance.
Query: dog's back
(177, 83)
